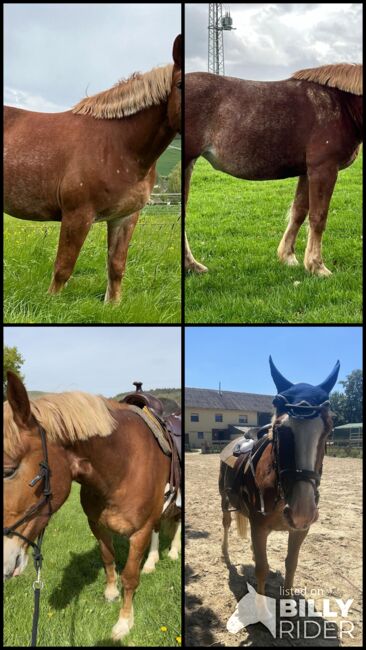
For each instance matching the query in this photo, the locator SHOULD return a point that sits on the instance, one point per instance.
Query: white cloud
(23, 99)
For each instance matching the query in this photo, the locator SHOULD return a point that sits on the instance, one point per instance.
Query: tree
(13, 360)
(353, 394)
(347, 406)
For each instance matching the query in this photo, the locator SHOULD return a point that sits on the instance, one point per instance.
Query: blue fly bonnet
(302, 401)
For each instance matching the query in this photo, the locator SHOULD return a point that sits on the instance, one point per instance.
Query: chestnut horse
(99, 443)
(93, 163)
(275, 485)
(308, 126)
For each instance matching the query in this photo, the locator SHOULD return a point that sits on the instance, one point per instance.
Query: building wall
(207, 422)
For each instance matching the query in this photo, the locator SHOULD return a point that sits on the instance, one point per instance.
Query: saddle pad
(226, 455)
(153, 425)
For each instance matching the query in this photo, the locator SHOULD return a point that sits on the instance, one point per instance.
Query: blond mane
(345, 76)
(129, 96)
(64, 416)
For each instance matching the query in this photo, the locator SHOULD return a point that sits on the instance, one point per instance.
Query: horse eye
(9, 471)
(179, 85)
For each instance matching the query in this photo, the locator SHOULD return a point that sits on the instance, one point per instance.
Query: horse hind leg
(226, 522)
(190, 264)
(321, 185)
(153, 555)
(176, 544)
(297, 215)
(119, 235)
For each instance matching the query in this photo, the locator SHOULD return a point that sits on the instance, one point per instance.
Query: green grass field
(234, 228)
(151, 288)
(170, 158)
(73, 609)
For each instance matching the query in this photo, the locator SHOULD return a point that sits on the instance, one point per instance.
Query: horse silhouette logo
(253, 608)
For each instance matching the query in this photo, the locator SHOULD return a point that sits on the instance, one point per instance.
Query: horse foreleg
(75, 226)
(190, 264)
(321, 185)
(119, 235)
(259, 541)
(130, 577)
(105, 540)
(176, 544)
(297, 216)
(295, 539)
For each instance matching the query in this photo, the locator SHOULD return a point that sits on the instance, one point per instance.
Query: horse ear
(18, 399)
(279, 380)
(329, 383)
(177, 51)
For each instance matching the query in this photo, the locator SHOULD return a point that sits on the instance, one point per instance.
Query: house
(213, 417)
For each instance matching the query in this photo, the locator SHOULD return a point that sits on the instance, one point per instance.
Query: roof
(225, 400)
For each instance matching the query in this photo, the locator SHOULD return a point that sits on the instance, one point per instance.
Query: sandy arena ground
(330, 558)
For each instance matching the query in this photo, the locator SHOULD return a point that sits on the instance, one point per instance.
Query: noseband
(44, 474)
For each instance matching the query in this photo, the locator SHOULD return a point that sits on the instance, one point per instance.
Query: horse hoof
(148, 568)
(290, 260)
(322, 271)
(173, 554)
(196, 267)
(111, 593)
(122, 628)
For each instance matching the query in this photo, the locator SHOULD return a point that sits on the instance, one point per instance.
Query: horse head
(26, 506)
(175, 97)
(301, 426)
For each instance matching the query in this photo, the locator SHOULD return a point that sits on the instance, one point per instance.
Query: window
(243, 419)
(200, 435)
(195, 417)
(218, 417)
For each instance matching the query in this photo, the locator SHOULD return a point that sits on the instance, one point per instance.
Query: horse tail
(241, 524)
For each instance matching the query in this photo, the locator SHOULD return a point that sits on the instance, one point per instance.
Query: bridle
(44, 474)
(301, 411)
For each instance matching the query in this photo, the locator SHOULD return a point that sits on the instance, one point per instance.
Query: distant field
(151, 289)
(234, 228)
(170, 158)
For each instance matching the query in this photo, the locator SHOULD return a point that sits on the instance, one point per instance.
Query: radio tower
(216, 25)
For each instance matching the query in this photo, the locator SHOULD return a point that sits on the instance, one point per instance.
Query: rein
(44, 475)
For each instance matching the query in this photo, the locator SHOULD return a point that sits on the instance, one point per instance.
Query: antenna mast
(216, 25)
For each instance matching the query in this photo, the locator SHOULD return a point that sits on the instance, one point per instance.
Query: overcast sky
(273, 40)
(54, 52)
(101, 360)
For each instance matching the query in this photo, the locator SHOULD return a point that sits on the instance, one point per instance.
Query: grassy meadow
(151, 287)
(234, 228)
(73, 610)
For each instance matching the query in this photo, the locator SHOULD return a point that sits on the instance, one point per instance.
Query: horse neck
(150, 134)
(355, 110)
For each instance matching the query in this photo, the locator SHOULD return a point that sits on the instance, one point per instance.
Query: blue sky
(238, 356)
(53, 52)
(102, 360)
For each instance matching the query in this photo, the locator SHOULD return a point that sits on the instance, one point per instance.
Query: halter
(11, 530)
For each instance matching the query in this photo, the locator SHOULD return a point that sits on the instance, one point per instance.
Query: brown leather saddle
(171, 426)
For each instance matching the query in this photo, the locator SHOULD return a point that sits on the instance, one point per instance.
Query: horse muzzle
(15, 558)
